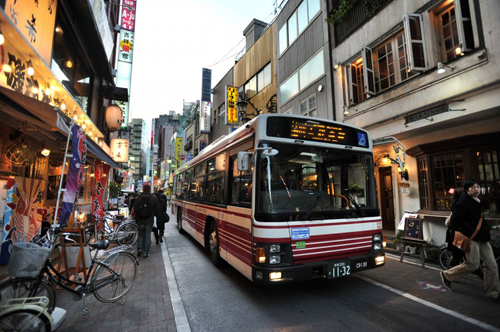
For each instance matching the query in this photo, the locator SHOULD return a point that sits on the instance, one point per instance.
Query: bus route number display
(318, 132)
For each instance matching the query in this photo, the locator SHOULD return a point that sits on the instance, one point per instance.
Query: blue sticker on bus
(300, 233)
(362, 139)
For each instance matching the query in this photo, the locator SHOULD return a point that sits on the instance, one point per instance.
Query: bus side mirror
(244, 161)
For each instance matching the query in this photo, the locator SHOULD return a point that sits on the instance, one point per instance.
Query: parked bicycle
(109, 277)
(29, 314)
(117, 229)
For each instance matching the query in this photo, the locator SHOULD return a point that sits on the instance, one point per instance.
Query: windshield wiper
(311, 208)
(354, 203)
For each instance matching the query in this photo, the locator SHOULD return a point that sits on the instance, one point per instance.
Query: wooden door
(386, 198)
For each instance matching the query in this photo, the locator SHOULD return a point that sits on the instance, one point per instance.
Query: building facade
(423, 72)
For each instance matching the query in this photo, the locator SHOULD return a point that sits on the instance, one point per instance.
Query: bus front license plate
(339, 269)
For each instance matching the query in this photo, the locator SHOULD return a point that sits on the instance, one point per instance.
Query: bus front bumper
(330, 269)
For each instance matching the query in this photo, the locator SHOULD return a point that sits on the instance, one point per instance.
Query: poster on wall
(100, 187)
(21, 223)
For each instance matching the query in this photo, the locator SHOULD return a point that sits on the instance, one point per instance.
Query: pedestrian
(146, 206)
(457, 255)
(161, 217)
(467, 215)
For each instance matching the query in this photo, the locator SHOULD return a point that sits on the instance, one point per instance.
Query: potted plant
(114, 189)
(355, 188)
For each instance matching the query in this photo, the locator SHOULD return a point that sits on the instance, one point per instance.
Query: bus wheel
(213, 244)
(179, 221)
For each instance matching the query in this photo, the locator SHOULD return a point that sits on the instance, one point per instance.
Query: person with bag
(474, 234)
(161, 217)
(146, 206)
(457, 255)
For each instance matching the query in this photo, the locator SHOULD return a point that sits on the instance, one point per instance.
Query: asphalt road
(221, 299)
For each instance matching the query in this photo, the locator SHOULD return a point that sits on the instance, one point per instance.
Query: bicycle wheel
(114, 281)
(444, 259)
(24, 320)
(20, 287)
(127, 233)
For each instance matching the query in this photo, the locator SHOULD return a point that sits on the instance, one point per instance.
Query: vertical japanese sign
(21, 222)
(124, 63)
(75, 173)
(231, 100)
(126, 46)
(128, 15)
(178, 151)
(206, 87)
(100, 187)
(36, 22)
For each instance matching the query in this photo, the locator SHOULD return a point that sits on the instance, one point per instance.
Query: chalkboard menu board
(413, 228)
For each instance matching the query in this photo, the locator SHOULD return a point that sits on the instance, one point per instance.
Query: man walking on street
(161, 217)
(146, 206)
(466, 217)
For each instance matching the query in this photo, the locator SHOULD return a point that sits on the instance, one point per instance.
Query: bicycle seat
(100, 245)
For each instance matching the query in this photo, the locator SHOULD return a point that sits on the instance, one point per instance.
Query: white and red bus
(284, 198)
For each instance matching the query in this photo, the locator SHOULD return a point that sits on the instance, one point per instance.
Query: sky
(174, 40)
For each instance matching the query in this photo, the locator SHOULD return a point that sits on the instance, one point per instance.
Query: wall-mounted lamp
(441, 68)
(404, 174)
(69, 64)
(336, 65)
(242, 106)
(45, 152)
(459, 50)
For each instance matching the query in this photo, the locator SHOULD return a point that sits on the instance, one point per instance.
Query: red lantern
(114, 117)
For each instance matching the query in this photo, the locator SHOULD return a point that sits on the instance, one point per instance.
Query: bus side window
(240, 183)
(215, 178)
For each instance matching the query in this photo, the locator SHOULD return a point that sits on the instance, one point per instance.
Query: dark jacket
(161, 215)
(156, 207)
(466, 214)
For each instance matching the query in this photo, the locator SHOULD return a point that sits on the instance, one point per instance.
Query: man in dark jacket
(465, 218)
(159, 230)
(146, 206)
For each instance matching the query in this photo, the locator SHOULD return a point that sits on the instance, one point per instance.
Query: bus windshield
(311, 183)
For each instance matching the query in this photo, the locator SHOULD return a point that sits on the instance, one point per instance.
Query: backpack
(145, 209)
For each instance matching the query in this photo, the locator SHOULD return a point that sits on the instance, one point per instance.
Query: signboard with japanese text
(126, 46)
(231, 100)
(36, 22)
(206, 82)
(203, 144)
(128, 15)
(178, 148)
(205, 117)
(119, 150)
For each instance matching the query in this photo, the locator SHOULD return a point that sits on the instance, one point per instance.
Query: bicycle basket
(27, 259)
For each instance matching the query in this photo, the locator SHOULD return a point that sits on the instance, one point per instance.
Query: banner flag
(100, 187)
(75, 173)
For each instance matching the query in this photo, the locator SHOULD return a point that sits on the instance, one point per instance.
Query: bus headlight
(274, 259)
(274, 248)
(377, 237)
(275, 275)
(377, 246)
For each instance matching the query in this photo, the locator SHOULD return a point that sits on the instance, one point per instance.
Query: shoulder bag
(462, 242)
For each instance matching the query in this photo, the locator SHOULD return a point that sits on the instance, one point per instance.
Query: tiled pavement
(147, 307)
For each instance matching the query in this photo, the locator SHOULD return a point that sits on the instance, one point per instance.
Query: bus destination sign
(318, 131)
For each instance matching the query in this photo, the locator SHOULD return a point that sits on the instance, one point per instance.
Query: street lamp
(242, 106)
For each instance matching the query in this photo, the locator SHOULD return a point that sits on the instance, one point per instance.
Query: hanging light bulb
(47, 90)
(34, 90)
(6, 68)
(2, 39)
(69, 63)
(75, 116)
(90, 134)
(84, 126)
(63, 105)
(45, 152)
(31, 70)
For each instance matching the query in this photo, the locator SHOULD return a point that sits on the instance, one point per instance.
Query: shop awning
(93, 148)
(46, 117)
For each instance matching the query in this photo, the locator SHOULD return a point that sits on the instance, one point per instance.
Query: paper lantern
(114, 117)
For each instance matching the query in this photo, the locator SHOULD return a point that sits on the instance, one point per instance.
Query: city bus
(284, 198)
